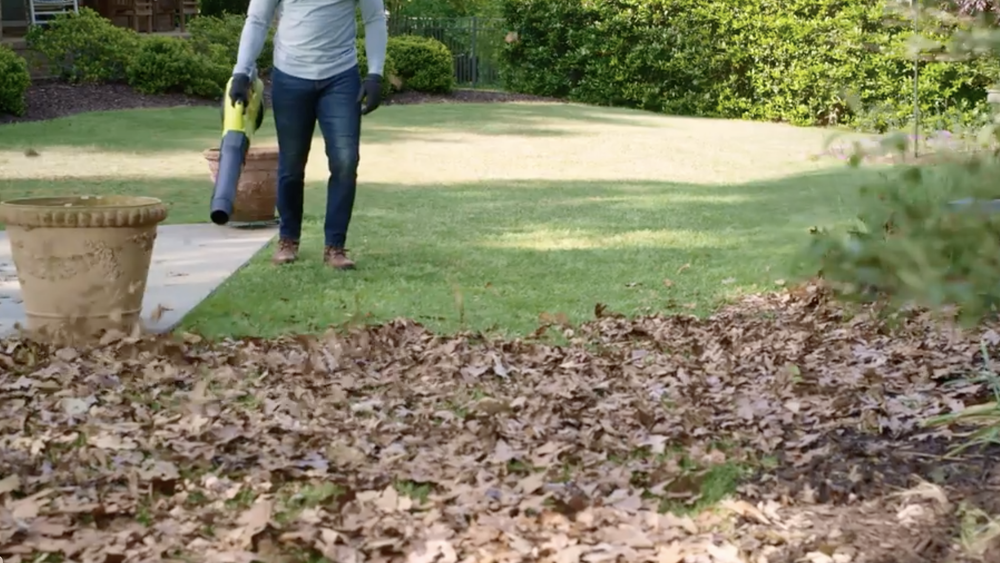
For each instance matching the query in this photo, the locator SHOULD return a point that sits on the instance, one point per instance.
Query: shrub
(14, 81)
(808, 62)
(390, 81)
(423, 64)
(171, 65)
(219, 37)
(911, 244)
(928, 234)
(84, 47)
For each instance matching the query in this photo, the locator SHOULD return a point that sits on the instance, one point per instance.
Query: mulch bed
(50, 99)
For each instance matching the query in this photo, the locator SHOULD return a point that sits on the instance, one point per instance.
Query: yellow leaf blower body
(239, 124)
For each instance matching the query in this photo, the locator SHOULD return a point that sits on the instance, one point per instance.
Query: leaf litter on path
(389, 443)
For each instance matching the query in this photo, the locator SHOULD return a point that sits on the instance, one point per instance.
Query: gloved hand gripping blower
(239, 124)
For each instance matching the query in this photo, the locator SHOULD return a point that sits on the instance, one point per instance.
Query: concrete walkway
(189, 262)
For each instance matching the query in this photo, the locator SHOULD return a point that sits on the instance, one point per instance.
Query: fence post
(474, 59)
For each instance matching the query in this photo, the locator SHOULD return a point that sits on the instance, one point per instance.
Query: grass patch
(709, 485)
(495, 256)
(294, 499)
(483, 216)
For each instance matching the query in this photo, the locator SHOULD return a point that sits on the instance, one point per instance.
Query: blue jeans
(297, 105)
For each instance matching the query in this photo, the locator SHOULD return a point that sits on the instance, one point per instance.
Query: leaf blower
(239, 124)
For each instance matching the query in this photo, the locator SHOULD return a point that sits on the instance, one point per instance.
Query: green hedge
(910, 245)
(390, 81)
(220, 37)
(14, 81)
(172, 65)
(808, 62)
(422, 64)
(84, 47)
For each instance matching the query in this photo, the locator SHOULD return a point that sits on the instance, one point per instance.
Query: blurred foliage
(972, 7)
(929, 230)
(443, 8)
(219, 8)
(913, 244)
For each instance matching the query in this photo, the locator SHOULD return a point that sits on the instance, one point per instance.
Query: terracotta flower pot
(82, 262)
(257, 192)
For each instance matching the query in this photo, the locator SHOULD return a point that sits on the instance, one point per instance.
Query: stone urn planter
(82, 261)
(257, 192)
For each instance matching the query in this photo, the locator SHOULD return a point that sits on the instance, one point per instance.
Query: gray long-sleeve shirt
(316, 39)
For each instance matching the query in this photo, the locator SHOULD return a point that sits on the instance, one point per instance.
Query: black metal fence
(475, 44)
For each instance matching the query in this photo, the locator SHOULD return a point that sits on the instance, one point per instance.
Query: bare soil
(49, 99)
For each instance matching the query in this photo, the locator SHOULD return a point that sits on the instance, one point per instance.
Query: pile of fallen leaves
(781, 429)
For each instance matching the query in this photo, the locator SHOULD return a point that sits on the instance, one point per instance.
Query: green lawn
(483, 216)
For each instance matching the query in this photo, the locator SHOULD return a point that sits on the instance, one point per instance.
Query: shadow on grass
(197, 128)
(531, 120)
(494, 256)
(141, 130)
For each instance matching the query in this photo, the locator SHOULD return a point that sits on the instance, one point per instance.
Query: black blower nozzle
(232, 154)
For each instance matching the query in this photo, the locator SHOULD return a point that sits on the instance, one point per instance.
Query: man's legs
(293, 102)
(339, 115)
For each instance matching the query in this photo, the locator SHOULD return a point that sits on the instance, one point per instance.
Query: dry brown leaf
(9, 484)
(569, 554)
(531, 483)
(524, 449)
(627, 535)
(725, 553)
(745, 509)
(388, 500)
(29, 507)
(491, 407)
(252, 522)
(158, 312)
(112, 442)
(433, 551)
(672, 553)
(232, 556)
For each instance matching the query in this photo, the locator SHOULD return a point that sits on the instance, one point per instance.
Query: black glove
(240, 89)
(370, 94)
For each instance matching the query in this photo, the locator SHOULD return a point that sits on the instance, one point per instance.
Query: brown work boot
(287, 251)
(336, 257)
